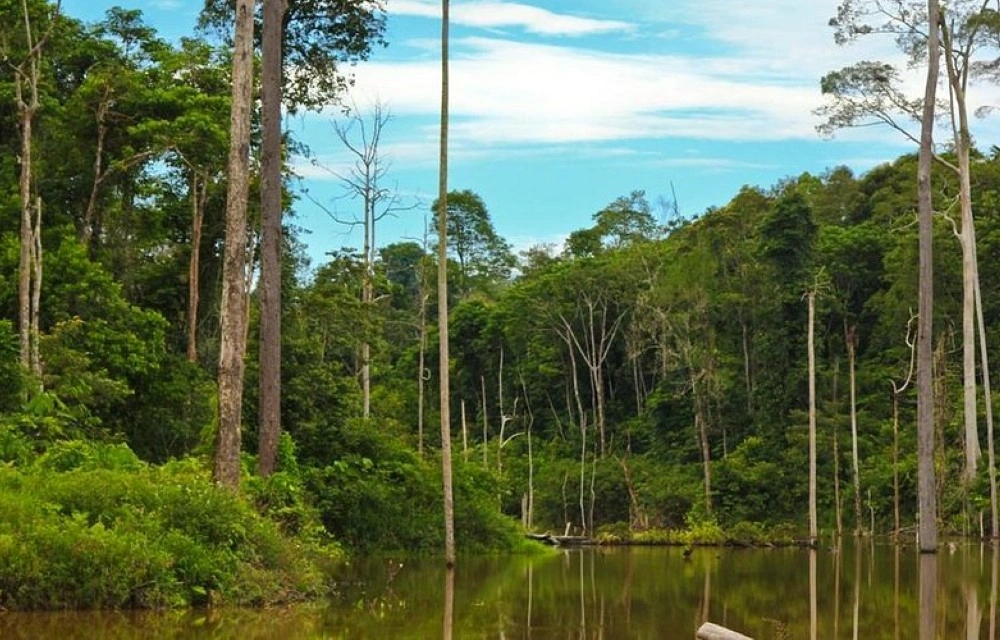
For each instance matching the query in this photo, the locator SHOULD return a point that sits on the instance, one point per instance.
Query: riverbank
(92, 527)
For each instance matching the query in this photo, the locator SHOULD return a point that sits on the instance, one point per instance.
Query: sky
(558, 108)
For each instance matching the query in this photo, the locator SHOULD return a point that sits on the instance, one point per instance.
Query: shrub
(89, 526)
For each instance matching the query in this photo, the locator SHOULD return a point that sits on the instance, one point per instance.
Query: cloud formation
(710, 70)
(493, 14)
(509, 92)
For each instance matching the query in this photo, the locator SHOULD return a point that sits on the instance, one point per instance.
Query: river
(859, 591)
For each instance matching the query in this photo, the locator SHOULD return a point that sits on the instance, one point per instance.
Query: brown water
(865, 591)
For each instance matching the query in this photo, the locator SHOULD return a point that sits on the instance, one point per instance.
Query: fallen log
(560, 541)
(709, 631)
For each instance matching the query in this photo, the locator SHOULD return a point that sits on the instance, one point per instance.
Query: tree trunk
(851, 337)
(465, 435)
(366, 301)
(271, 240)
(701, 423)
(837, 508)
(36, 295)
(972, 449)
(925, 384)
(198, 198)
(486, 427)
(233, 312)
(26, 112)
(988, 401)
(969, 229)
(811, 345)
(895, 465)
(449, 506)
(422, 366)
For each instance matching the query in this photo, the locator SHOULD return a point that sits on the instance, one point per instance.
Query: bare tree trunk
(988, 401)
(850, 337)
(27, 109)
(36, 294)
(957, 80)
(529, 519)
(811, 340)
(748, 381)
(198, 199)
(366, 300)
(486, 424)
(95, 187)
(583, 427)
(233, 313)
(925, 385)
(837, 506)
(271, 241)
(838, 516)
(449, 505)
(422, 360)
(701, 423)
(972, 448)
(422, 365)
(465, 435)
(895, 466)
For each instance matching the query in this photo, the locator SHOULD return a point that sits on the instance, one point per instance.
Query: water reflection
(849, 591)
(448, 617)
(928, 595)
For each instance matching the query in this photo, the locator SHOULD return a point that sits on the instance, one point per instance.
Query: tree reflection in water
(894, 592)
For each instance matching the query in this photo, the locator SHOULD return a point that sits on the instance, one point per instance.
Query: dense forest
(647, 381)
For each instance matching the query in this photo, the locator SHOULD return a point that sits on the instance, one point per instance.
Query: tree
(320, 38)
(871, 91)
(315, 38)
(269, 420)
(27, 76)
(484, 258)
(233, 312)
(626, 221)
(364, 181)
(442, 293)
(811, 350)
(925, 327)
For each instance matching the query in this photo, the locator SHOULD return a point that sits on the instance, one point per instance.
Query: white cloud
(759, 81)
(492, 14)
(167, 5)
(508, 92)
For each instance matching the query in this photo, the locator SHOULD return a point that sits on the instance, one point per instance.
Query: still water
(864, 591)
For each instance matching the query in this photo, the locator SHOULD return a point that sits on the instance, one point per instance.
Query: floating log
(560, 541)
(709, 631)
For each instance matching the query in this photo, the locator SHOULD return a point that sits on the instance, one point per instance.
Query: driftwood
(709, 631)
(560, 541)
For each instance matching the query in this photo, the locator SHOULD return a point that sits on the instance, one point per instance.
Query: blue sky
(558, 108)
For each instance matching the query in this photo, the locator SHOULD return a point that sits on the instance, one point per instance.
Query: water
(864, 591)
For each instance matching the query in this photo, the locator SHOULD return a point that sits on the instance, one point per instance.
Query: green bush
(747, 534)
(382, 497)
(89, 526)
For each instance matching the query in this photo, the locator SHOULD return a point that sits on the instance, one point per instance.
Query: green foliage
(90, 526)
(11, 375)
(381, 497)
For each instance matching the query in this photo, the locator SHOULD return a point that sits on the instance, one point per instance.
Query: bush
(89, 526)
(382, 497)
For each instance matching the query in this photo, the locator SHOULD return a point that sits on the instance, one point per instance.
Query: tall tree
(872, 92)
(442, 293)
(27, 76)
(233, 312)
(364, 180)
(925, 375)
(269, 420)
(484, 257)
(320, 39)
